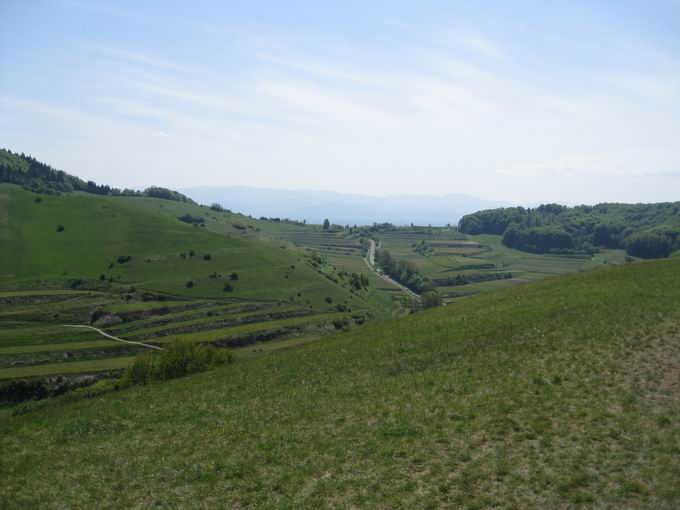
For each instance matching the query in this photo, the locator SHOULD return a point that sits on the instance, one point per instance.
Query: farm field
(36, 341)
(452, 253)
(556, 394)
(343, 252)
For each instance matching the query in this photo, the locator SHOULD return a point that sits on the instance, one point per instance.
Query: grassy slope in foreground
(547, 395)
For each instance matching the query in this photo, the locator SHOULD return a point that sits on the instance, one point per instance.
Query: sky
(523, 102)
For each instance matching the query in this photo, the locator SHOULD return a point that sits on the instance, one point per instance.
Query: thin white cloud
(632, 163)
(470, 42)
(136, 57)
(98, 7)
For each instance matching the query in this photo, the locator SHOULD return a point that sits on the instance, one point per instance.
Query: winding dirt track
(113, 337)
(370, 262)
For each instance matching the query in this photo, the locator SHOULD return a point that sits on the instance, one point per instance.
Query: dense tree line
(283, 220)
(403, 271)
(39, 177)
(644, 230)
(465, 279)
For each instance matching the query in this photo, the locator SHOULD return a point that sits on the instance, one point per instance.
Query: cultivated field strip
(34, 341)
(462, 265)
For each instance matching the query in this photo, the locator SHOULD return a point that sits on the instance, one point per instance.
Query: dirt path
(370, 262)
(113, 337)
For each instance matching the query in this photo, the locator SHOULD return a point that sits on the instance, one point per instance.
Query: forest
(33, 175)
(643, 230)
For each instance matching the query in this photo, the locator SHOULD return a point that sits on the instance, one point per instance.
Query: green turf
(557, 394)
(74, 367)
(99, 229)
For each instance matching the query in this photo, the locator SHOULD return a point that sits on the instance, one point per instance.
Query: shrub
(234, 276)
(37, 200)
(141, 370)
(341, 324)
(207, 257)
(238, 225)
(358, 281)
(189, 284)
(78, 282)
(192, 220)
(227, 287)
(60, 228)
(431, 299)
(217, 207)
(328, 299)
(19, 391)
(179, 359)
(122, 259)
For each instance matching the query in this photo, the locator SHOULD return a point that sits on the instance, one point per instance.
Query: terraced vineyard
(36, 341)
(462, 265)
(343, 252)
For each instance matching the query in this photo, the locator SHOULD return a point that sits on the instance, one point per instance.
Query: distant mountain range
(342, 208)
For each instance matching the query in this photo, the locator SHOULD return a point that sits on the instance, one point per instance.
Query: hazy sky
(524, 102)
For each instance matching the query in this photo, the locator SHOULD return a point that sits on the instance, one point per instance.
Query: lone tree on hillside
(326, 224)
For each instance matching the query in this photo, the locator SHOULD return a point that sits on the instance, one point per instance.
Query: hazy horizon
(522, 103)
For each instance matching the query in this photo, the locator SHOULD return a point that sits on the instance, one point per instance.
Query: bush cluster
(192, 220)
(180, 358)
(403, 271)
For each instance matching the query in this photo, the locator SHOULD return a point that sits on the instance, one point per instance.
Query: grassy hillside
(560, 393)
(98, 230)
(73, 259)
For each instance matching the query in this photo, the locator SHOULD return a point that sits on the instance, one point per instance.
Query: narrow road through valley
(113, 337)
(370, 262)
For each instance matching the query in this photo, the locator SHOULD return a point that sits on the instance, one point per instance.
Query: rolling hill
(129, 266)
(556, 394)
